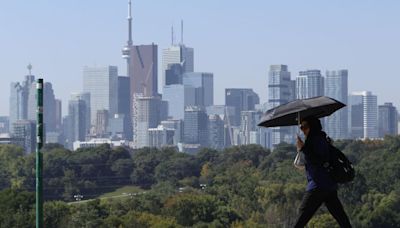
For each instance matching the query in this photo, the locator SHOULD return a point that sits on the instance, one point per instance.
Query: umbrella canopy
(288, 114)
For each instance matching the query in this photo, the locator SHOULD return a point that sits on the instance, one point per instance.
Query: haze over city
(235, 40)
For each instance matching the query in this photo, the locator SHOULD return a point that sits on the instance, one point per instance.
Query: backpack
(339, 167)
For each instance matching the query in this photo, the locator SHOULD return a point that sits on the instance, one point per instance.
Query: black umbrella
(289, 114)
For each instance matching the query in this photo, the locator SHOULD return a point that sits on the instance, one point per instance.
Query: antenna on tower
(129, 22)
(172, 35)
(182, 32)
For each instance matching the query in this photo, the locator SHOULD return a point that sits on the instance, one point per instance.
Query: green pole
(39, 158)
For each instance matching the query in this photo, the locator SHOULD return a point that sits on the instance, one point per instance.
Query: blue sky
(237, 40)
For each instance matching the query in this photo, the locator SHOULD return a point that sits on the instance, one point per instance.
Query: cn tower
(126, 51)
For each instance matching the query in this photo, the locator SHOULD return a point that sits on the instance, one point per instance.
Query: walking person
(321, 188)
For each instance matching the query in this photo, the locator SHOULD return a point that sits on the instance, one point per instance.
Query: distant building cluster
(128, 110)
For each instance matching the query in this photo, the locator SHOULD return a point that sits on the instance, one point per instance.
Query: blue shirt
(316, 150)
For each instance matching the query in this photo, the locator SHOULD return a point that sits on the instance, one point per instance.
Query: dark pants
(312, 201)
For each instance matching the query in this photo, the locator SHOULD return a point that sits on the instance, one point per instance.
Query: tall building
(281, 90)
(241, 100)
(309, 83)
(26, 130)
(177, 125)
(4, 125)
(195, 126)
(146, 114)
(102, 118)
(177, 54)
(216, 129)
(336, 87)
(204, 85)
(116, 127)
(173, 74)
(364, 103)
(248, 127)
(85, 97)
(161, 136)
(178, 97)
(388, 120)
(356, 116)
(102, 85)
(75, 123)
(124, 105)
(144, 65)
(19, 93)
(58, 114)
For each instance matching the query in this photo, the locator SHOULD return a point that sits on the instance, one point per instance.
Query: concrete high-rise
(25, 130)
(388, 120)
(309, 83)
(216, 130)
(102, 117)
(241, 100)
(102, 85)
(364, 103)
(204, 85)
(146, 114)
(144, 65)
(177, 125)
(336, 87)
(281, 90)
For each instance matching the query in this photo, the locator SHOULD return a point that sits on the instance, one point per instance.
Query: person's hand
(299, 143)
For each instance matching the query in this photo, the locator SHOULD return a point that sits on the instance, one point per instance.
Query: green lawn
(120, 191)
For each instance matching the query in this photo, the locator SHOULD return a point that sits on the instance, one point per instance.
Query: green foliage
(243, 186)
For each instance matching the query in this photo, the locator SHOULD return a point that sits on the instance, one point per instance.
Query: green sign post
(39, 155)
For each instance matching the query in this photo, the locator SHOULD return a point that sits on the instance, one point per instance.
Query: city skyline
(77, 41)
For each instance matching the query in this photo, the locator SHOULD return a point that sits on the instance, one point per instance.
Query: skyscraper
(336, 87)
(204, 85)
(216, 129)
(76, 127)
(309, 83)
(173, 74)
(19, 93)
(177, 125)
(356, 116)
(249, 128)
(241, 100)
(195, 126)
(85, 97)
(178, 97)
(146, 114)
(58, 114)
(102, 85)
(281, 90)
(161, 136)
(26, 130)
(102, 117)
(364, 103)
(388, 120)
(177, 54)
(4, 124)
(124, 105)
(144, 65)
